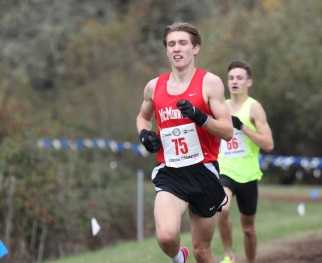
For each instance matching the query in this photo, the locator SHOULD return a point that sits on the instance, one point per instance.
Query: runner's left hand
(237, 123)
(192, 112)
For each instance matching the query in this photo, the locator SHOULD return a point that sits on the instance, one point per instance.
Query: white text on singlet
(181, 145)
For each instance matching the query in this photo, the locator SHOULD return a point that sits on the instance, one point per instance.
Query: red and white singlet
(183, 142)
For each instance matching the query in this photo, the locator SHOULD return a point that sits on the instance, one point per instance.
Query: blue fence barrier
(285, 162)
(97, 143)
(79, 144)
(3, 249)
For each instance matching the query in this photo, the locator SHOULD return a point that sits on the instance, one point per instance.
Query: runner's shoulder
(213, 84)
(150, 87)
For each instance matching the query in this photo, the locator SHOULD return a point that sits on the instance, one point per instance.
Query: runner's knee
(249, 230)
(166, 237)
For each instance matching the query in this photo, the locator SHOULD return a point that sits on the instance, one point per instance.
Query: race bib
(235, 147)
(181, 145)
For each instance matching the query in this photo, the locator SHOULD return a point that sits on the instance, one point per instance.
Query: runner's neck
(237, 101)
(182, 76)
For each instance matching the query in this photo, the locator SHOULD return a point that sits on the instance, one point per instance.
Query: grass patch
(274, 220)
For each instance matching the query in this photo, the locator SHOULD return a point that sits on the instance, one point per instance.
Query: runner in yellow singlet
(239, 159)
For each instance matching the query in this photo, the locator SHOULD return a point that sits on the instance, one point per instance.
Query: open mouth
(177, 57)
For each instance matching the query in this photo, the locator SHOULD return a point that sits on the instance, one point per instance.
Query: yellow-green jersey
(239, 157)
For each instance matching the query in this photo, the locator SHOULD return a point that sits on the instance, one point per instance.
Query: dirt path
(294, 198)
(298, 249)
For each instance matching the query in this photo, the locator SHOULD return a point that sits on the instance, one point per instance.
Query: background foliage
(77, 69)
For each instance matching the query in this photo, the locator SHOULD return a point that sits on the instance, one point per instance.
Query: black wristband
(200, 118)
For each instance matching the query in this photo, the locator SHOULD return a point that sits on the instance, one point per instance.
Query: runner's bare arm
(263, 134)
(144, 118)
(220, 124)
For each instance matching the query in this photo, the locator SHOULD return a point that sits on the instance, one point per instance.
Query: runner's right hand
(150, 140)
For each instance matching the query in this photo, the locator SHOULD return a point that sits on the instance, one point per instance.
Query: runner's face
(180, 50)
(238, 81)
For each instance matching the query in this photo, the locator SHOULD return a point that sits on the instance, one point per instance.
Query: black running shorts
(246, 194)
(196, 184)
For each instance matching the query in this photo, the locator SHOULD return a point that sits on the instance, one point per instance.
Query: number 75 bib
(181, 145)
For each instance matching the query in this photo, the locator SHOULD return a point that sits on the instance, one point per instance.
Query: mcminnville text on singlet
(168, 113)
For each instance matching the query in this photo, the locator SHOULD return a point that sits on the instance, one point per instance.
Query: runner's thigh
(168, 210)
(246, 196)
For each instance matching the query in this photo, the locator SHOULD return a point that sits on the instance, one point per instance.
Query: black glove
(237, 123)
(150, 140)
(193, 113)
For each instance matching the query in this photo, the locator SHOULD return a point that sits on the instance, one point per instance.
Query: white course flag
(95, 226)
(301, 209)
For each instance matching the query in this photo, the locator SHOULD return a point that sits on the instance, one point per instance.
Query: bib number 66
(232, 144)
